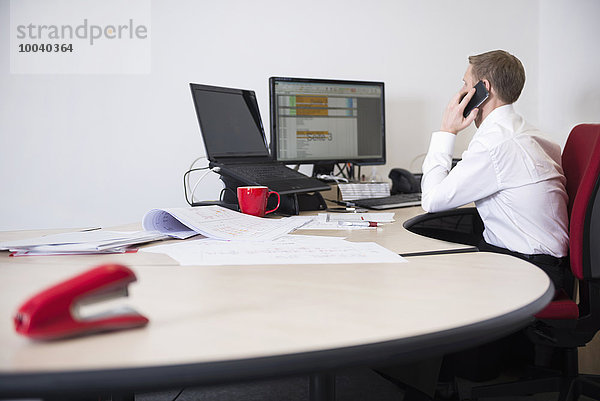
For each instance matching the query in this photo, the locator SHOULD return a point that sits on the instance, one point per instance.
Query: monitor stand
(323, 168)
(290, 204)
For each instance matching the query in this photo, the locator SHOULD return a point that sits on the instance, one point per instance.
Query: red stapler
(54, 312)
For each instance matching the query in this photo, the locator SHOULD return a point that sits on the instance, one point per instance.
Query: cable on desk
(192, 166)
(178, 394)
(225, 190)
(186, 182)
(340, 170)
(344, 170)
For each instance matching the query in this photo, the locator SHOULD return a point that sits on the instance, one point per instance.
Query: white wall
(569, 88)
(86, 150)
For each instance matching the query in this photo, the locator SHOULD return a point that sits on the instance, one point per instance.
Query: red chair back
(581, 164)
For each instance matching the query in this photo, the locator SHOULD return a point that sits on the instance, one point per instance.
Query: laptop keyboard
(390, 202)
(277, 177)
(260, 172)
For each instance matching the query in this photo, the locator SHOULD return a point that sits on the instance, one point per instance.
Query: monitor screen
(320, 121)
(230, 121)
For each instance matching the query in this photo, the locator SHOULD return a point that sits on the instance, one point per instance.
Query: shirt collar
(497, 114)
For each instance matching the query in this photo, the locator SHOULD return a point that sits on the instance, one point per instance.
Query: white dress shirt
(514, 176)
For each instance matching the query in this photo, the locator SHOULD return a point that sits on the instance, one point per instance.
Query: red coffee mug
(253, 200)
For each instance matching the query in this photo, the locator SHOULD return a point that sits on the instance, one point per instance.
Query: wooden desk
(212, 325)
(394, 236)
(391, 236)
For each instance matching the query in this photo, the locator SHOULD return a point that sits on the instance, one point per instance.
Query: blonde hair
(504, 71)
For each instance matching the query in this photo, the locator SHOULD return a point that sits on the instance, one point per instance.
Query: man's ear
(487, 84)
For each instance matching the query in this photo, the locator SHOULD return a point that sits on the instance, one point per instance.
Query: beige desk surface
(205, 315)
(394, 236)
(391, 236)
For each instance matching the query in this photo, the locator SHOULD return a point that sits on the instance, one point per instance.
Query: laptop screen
(230, 122)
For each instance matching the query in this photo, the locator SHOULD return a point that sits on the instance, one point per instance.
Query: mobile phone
(480, 96)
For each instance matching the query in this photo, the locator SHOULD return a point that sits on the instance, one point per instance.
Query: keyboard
(390, 202)
(261, 172)
(277, 177)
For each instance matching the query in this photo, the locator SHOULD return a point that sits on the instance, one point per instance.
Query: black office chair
(462, 226)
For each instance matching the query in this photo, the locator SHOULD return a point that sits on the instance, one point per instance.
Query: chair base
(588, 385)
(569, 388)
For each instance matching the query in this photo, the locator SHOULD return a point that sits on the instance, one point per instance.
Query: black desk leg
(322, 387)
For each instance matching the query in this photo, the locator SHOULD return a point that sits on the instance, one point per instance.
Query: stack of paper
(219, 223)
(82, 242)
(364, 190)
(225, 238)
(264, 241)
(208, 221)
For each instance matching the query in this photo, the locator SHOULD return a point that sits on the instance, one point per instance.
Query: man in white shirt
(510, 170)
(513, 174)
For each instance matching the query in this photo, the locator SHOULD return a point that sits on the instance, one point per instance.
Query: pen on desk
(341, 209)
(359, 223)
(90, 229)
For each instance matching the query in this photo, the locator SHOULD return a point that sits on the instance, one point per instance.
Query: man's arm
(472, 179)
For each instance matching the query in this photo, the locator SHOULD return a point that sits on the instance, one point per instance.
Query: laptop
(236, 145)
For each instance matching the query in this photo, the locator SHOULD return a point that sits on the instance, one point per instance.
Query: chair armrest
(462, 226)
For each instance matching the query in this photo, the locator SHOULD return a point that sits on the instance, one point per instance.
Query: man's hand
(453, 120)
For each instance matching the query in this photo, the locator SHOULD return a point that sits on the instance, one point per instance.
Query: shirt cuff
(442, 142)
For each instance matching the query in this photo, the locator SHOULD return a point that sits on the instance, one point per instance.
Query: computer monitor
(326, 121)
